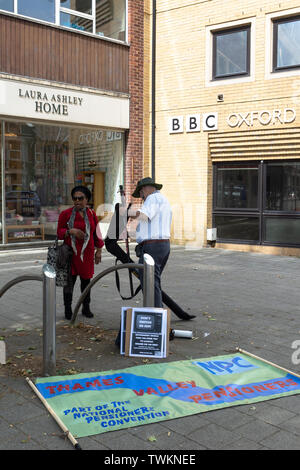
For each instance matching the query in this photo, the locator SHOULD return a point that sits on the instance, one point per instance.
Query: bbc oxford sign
(233, 120)
(30, 101)
(193, 123)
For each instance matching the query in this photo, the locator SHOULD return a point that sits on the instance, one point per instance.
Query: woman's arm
(62, 227)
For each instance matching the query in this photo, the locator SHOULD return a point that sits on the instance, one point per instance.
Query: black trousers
(160, 254)
(68, 291)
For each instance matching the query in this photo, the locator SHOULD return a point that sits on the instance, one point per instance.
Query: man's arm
(134, 214)
(138, 215)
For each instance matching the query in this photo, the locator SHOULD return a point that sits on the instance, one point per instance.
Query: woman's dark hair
(82, 189)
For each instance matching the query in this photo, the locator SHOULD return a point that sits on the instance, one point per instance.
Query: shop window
(286, 38)
(42, 165)
(231, 52)
(282, 230)
(7, 5)
(283, 186)
(232, 227)
(237, 186)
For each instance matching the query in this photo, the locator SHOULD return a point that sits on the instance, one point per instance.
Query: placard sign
(144, 332)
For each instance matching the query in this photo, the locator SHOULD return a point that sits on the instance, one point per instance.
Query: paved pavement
(245, 300)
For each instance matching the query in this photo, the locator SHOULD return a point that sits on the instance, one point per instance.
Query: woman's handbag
(59, 256)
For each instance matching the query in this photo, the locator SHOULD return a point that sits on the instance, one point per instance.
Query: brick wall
(134, 138)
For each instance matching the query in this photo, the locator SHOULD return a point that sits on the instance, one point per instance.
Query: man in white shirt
(153, 230)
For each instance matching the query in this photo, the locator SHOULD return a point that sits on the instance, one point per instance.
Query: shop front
(51, 140)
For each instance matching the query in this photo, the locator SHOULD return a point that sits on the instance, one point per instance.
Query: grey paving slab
(230, 418)
(256, 430)
(214, 437)
(292, 424)
(281, 440)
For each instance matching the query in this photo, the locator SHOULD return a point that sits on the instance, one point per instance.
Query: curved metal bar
(19, 279)
(97, 278)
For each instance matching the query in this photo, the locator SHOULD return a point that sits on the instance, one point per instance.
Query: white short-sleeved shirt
(158, 226)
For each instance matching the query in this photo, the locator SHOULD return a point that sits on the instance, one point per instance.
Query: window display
(43, 163)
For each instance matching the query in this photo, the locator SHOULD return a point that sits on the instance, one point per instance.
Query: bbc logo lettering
(193, 123)
(210, 121)
(176, 125)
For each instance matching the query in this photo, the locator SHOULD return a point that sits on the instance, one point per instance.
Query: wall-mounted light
(220, 98)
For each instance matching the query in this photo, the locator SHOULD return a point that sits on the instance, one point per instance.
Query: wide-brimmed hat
(145, 182)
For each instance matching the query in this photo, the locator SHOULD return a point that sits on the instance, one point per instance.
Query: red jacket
(85, 268)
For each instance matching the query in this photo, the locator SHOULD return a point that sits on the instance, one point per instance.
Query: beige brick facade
(259, 117)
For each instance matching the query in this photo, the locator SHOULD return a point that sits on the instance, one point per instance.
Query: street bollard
(49, 320)
(2, 353)
(148, 281)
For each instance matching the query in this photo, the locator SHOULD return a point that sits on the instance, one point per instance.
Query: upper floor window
(231, 52)
(42, 10)
(100, 17)
(7, 5)
(286, 39)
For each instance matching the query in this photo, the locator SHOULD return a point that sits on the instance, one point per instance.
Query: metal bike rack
(148, 282)
(49, 313)
(48, 278)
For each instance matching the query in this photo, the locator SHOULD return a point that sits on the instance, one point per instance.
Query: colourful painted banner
(106, 401)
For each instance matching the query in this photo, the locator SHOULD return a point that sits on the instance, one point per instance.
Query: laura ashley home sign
(61, 104)
(55, 103)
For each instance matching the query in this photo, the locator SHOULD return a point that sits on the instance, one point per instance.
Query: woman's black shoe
(68, 312)
(86, 312)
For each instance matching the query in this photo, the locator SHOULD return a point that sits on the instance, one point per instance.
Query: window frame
(275, 23)
(231, 80)
(215, 188)
(59, 8)
(238, 28)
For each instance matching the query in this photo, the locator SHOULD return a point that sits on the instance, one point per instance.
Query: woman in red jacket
(77, 226)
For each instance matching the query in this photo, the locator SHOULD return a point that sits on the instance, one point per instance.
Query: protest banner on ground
(93, 403)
